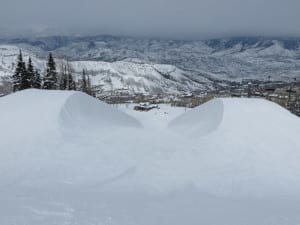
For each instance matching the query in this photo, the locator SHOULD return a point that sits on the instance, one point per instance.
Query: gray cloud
(160, 18)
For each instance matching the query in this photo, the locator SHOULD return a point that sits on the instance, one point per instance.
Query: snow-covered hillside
(155, 66)
(216, 59)
(70, 159)
(130, 76)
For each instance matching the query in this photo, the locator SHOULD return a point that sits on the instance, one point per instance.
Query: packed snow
(254, 140)
(67, 158)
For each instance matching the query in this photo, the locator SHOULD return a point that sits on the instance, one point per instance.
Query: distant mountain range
(164, 66)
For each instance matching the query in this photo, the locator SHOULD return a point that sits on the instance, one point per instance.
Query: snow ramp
(201, 120)
(36, 112)
(245, 147)
(236, 116)
(83, 111)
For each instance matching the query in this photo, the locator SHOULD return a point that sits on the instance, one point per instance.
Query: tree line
(26, 76)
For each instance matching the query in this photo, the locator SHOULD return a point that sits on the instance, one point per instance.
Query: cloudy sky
(155, 18)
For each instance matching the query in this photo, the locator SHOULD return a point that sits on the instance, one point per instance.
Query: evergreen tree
(25, 78)
(50, 79)
(66, 81)
(28, 79)
(89, 86)
(37, 82)
(19, 73)
(72, 83)
(84, 87)
(63, 78)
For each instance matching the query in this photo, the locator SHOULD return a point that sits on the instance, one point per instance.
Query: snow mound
(202, 120)
(39, 112)
(81, 110)
(245, 145)
(237, 116)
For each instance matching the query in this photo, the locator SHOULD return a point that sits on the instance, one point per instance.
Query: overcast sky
(154, 18)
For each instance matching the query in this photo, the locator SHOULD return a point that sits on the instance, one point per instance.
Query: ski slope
(67, 158)
(253, 140)
(39, 113)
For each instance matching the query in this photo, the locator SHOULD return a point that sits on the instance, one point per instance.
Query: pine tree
(50, 79)
(37, 82)
(72, 83)
(25, 78)
(84, 87)
(63, 78)
(19, 73)
(28, 79)
(89, 86)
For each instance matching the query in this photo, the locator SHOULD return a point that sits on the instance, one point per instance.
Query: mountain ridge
(206, 63)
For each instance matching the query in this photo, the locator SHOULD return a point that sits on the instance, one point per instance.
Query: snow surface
(255, 140)
(69, 159)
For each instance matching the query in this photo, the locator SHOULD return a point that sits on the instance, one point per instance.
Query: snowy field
(67, 158)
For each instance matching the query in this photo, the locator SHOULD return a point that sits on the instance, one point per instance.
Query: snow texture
(67, 158)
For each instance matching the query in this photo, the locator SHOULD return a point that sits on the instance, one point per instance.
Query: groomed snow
(35, 112)
(67, 158)
(254, 141)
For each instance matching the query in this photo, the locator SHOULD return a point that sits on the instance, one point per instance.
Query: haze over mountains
(162, 65)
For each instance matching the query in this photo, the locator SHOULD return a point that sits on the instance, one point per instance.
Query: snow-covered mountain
(141, 64)
(131, 76)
